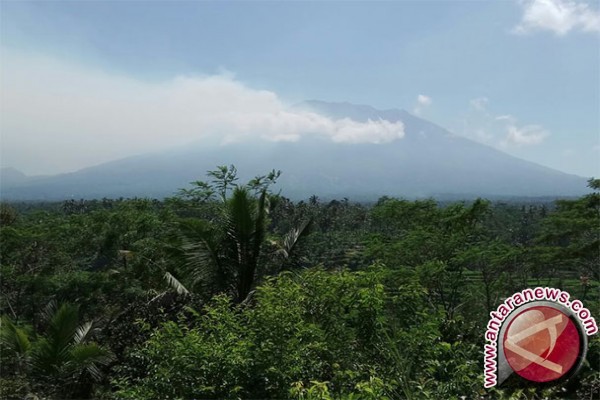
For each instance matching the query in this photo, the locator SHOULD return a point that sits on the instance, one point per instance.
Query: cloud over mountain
(501, 131)
(423, 102)
(527, 135)
(428, 161)
(60, 116)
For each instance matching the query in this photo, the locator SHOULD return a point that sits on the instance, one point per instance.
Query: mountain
(11, 176)
(427, 161)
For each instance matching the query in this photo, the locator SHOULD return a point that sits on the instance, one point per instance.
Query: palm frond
(200, 253)
(240, 216)
(247, 230)
(175, 284)
(51, 351)
(40, 355)
(13, 339)
(48, 311)
(293, 236)
(260, 229)
(63, 326)
(202, 264)
(83, 331)
(46, 358)
(89, 357)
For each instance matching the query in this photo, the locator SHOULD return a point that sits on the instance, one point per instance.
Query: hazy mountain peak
(10, 175)
(357, 112)
(427, 161)
(415, 127)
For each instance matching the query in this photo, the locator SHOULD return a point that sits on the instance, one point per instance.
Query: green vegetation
(231, 291)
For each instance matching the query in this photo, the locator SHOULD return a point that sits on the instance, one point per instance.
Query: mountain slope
(11, 176)
(428, 161)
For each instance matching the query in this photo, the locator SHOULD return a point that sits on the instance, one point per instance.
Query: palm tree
(64, 356)
(227, 255)
(245, 228)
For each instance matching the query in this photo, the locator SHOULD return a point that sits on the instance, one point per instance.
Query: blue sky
(522, 76)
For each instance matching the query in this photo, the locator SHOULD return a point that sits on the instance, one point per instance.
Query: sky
(85, 82)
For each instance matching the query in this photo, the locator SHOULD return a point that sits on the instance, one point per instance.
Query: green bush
(360, 335)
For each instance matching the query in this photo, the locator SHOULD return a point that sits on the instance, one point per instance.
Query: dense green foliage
(231, 291)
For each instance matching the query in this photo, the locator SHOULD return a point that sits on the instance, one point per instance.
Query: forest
(230, 290)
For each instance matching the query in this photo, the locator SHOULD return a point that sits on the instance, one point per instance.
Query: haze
(86, 83)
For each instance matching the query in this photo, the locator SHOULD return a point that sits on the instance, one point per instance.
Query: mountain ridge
(428, 160)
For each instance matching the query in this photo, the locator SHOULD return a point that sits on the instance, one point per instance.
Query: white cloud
(525, 136)
(423, 102)
(501, 131)
(558, 16)
(479, 103)
(58, 116)
(506, 117)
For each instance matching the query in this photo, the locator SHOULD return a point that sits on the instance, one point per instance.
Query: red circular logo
(541, 344)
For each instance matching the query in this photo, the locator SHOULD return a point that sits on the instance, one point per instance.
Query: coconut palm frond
(240, 216)
(246, 231)
(45, 357)
(89, 357)
(62, 326)
(200, 253)
(13, 339)
(175, 284)
(260, 229)
(194, 228)
(52, 350)
(293, 236)
(49, 311)
(83, 331)
(203, 265)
